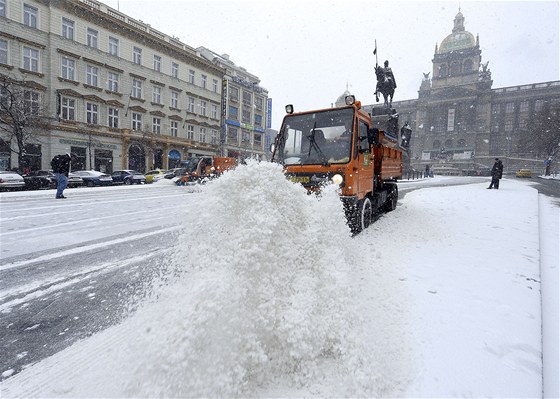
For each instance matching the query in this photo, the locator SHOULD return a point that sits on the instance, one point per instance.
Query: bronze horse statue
(385, 85)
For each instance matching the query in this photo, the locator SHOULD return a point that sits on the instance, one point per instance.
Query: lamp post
(508, 153)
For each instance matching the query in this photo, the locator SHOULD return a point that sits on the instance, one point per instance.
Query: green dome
(459, 39)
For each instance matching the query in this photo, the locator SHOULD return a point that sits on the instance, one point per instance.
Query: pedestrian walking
(497, 170)
(61, 167)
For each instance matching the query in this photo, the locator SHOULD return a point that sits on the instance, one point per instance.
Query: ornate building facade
(113, 90)
(460, 123)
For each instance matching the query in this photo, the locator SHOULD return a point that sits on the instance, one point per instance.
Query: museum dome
(459, 38)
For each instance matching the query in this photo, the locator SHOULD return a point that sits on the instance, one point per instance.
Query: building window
(92, 113)
(245, 137)
(246, 98)
(68, 68)
(68, 108)
(495, 109)
(113, 114)
(137, 55)
(30, 16)
(257, 140)
(136, 121)
(233, 112)
(67, 29)
(233, 93)
(443, 71)
(2, 8)
(246, 118)
(175, 70)
(113, 46)
(204, 80)
(524, 106)
(3, 51)
(214, 112)
(467, 65)
(203, 108)
(259, 103)
(157, 63)
(214, 136)
(91, 75)
(508, 126)
(215, 85)
(539, 104)
(156, 94)
(31, 101)
(190, 107)
(202, 135)
(174, 128)
(92, 37)
(31, 59)
(174, 99)
(232, 135)
(258, 120)
(136, 88)
(510, 107)
(156, 125)
(191, 76)
(113, 81)
(190, 132)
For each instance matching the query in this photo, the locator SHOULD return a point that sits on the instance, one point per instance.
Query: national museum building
(119, 93)
(460, 123)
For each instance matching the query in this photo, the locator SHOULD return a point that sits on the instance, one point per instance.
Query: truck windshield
(190, 164)
(316, 138)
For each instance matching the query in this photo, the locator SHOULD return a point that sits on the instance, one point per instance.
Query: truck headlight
(337, 179)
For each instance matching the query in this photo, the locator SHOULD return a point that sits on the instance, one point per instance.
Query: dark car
(128, 176)
(92, 178)
(39, 179)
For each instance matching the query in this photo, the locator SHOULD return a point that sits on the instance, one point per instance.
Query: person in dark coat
(61, 167)
(497, 170)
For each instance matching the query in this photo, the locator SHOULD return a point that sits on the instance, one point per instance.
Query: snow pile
(261, 298)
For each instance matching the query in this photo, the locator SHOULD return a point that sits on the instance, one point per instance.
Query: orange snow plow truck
(202, 169)
(346, 146)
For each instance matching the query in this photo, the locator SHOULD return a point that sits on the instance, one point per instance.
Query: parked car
(154, 175)
(128, 176)
(38, 179)
(11, 181)
(74, 180)
(524, 173)
(92, 178)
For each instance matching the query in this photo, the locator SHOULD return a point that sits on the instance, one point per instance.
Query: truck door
(364, 161)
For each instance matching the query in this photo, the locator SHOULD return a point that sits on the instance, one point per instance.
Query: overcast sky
(305, 52)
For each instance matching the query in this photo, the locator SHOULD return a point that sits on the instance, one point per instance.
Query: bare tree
(544, 136)
(21, 115)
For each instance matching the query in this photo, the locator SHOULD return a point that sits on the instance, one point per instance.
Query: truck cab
(340, 145)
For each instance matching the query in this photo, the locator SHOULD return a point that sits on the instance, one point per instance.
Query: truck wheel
(392, 198)
(362, 216)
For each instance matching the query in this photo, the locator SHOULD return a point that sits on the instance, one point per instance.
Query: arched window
(467, 65)
(436, 145)
(448, 143)
(455, 68)
(461, 143)
(174, 159)
(442, 71)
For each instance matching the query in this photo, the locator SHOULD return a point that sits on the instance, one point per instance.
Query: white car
(11, 181)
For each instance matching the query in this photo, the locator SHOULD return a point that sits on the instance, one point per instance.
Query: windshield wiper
(313, 144)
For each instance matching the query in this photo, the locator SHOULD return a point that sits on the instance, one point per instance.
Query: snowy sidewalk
(469, 258)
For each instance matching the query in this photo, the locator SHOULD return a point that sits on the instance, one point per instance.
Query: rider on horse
(386, 83)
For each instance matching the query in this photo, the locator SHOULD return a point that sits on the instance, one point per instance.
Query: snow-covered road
(268, 295)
